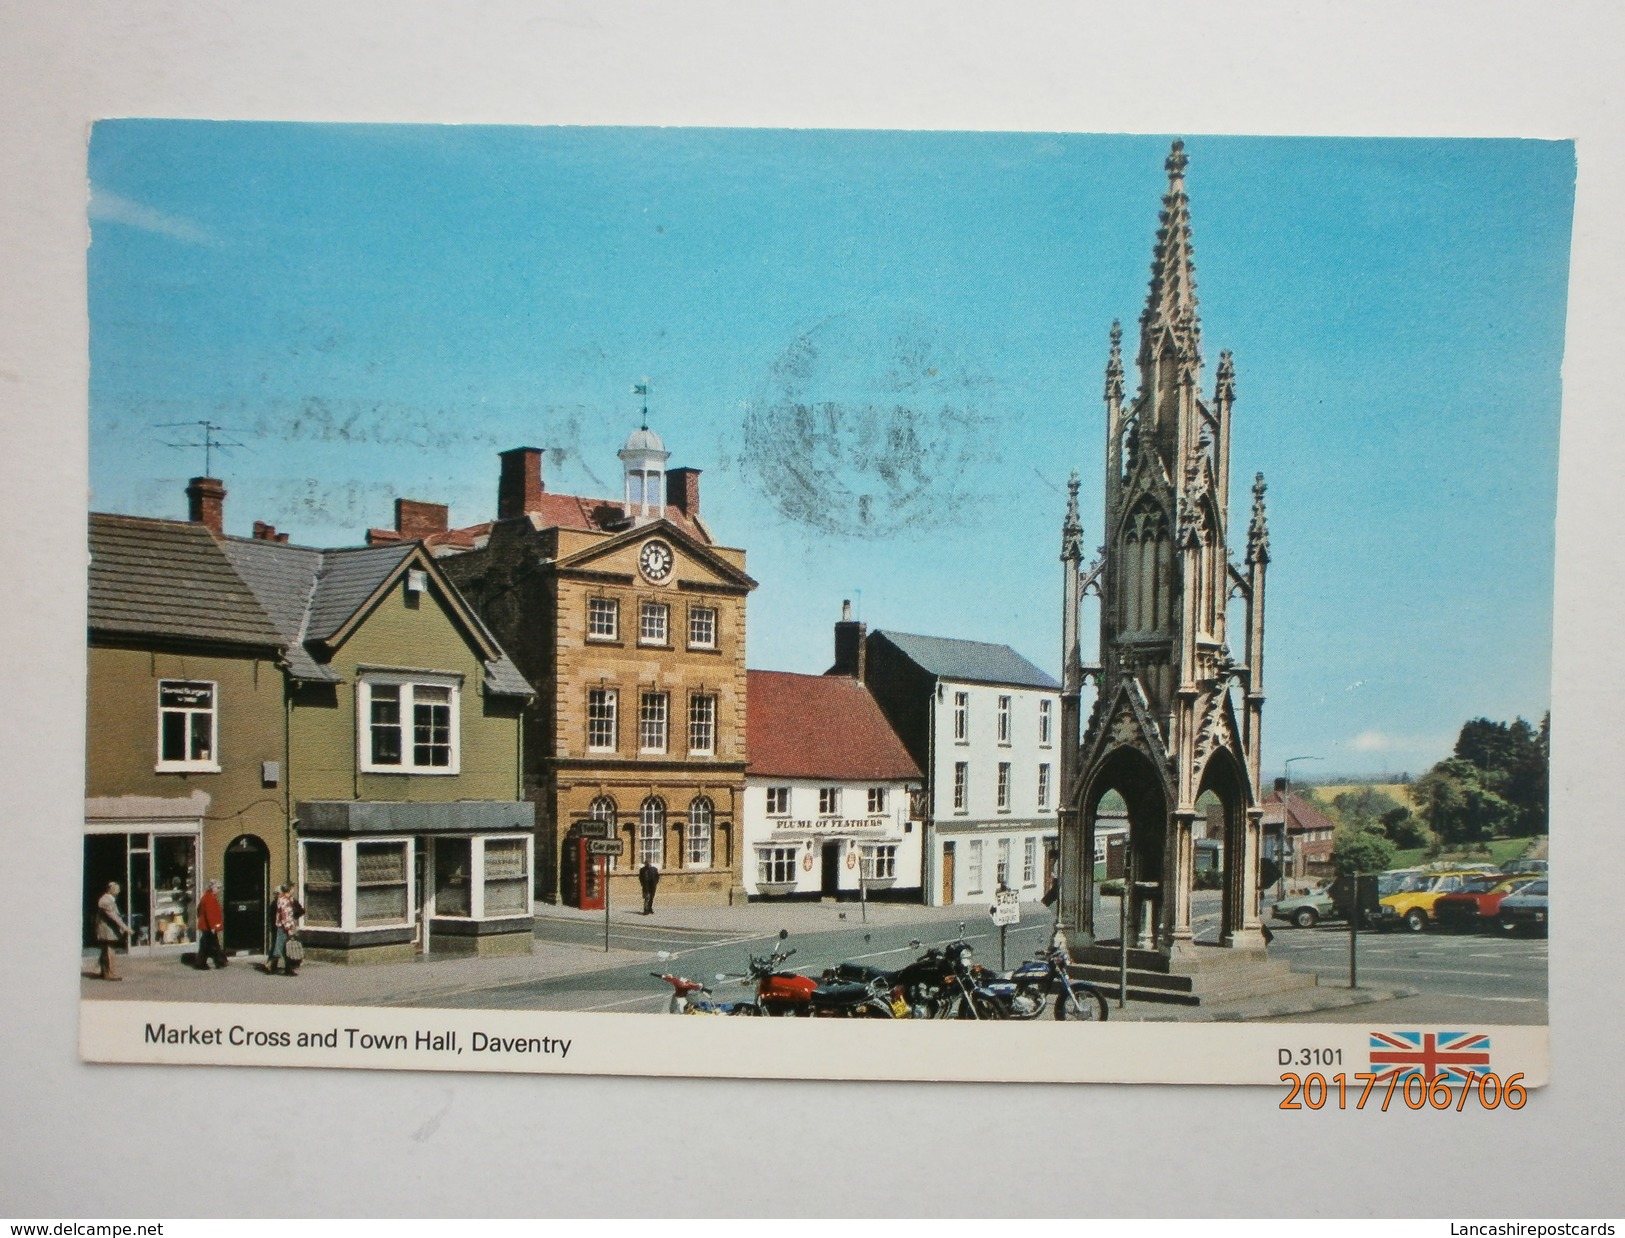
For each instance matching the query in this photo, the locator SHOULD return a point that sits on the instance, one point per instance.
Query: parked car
(1524, 866)
(1307, 910)
(1412, 903)
(1475, 905)
(1525, 911)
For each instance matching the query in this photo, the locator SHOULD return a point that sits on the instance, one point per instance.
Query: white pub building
(828, 793)
(984, 724)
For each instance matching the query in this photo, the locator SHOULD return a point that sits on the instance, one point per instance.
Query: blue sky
(376, 311)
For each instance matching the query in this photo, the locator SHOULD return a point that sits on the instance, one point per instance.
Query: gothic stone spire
(1114, 365)
(1171, 303)
(1072, 526)
(1258, 529)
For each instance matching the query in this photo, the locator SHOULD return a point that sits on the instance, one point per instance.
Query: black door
(832, 869)
(248, 876)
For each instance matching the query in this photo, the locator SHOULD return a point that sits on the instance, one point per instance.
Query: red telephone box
(589, 876)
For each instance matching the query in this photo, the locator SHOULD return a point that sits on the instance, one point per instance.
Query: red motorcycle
(787, 994)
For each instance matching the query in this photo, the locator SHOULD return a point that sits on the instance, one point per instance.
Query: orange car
(1412, 904)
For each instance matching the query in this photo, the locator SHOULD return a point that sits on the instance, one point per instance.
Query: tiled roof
(973, 661)
(169, 578)
(348, 578)
(820, 726)
(553, 511)
(283, 577)
(1305, 816)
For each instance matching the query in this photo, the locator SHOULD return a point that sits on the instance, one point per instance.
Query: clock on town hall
(655, 561)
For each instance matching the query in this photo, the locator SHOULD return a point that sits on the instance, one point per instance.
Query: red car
(1475, 905)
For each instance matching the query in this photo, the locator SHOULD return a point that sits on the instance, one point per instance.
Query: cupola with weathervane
(643, 460)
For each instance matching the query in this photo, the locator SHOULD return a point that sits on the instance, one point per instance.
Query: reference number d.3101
(1316, 1091)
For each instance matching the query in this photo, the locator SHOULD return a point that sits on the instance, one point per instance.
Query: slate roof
(166, 578)
(820, 726)
(311, 594)
(973, 661)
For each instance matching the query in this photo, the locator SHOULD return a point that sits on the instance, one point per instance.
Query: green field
(1500, 851)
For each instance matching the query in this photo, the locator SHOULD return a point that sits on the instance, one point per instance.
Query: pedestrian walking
(283, 923)
(649, 879)
(110, 929)
(211, 922)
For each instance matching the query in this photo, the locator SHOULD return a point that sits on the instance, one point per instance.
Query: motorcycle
(943, 983)
(1024, 993)
(692, 997)
(780, 993)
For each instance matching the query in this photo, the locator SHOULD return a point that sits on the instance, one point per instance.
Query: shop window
(778, 801)
(877, 800)
(829, 801)
(879, 861)
(187, 725)
(651, 832)
(1004, 720)
(380, 884)
(602, 722)
(776, 865)
(702, 725)
(1044, 721)
(961, 717)
(1029, 863)
(410, 726)
(961, 785)
(702, 627)
(652, 722)
(507, 877)
(453, 877)
(323, 890)
(654, 623)
(973, 866)
(697, 837)
(603, 619)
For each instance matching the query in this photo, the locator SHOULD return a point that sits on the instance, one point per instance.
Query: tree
(1356, 852)
(1363, 807)
(1404, 828)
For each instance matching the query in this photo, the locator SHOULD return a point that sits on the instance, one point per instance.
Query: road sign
(606, 846)
(1007, 910)
(594, 829)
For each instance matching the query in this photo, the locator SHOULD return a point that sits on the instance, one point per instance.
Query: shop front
(156, 859)
(382, 882)
(836, 857)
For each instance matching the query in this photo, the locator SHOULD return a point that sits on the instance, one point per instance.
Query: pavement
(570, 969)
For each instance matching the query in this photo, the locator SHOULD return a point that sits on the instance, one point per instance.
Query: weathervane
(642, 389)
(211, 440)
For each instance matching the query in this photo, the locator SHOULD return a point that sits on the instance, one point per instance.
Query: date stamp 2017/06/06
(1316, 1091)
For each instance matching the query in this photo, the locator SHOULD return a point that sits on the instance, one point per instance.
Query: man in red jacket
(210, 922)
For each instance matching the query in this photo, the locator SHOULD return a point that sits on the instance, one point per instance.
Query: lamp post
(1286, 818)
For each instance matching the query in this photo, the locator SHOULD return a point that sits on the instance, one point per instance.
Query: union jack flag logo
(1430, 1054)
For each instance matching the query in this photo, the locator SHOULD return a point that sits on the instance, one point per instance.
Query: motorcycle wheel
(974, 1007)
(1081, 1003)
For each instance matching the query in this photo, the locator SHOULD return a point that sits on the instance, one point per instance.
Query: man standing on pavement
(211, 921)
(110, 929)
(649, 879)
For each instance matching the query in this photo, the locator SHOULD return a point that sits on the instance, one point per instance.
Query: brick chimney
(683, 490)
(851, 649)
(519, 491)
(267, 533)
(206, 503)
(416, 520)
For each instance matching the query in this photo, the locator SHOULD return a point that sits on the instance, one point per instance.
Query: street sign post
(603, 848)
(593, 829)
(1006, 910)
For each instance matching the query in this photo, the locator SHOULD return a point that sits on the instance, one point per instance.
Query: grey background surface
(82, 1141)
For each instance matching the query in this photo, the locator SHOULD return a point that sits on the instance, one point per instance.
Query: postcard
(823, 604)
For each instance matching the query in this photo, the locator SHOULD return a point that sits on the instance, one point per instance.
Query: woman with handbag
(285, 924)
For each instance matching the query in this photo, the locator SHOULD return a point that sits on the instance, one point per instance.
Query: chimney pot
(519, 490)
(206, 504)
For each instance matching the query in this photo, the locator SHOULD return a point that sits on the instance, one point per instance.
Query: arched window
(651, 827)
(603, 809)
(697, 837)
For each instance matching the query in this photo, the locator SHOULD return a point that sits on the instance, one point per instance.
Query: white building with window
(829, 793)
(984, 724)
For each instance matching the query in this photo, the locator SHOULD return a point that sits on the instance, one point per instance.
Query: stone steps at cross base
(1203, 987)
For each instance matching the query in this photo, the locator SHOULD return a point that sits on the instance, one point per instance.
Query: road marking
(1479, 997)
(1488, 975)
(646, 997)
